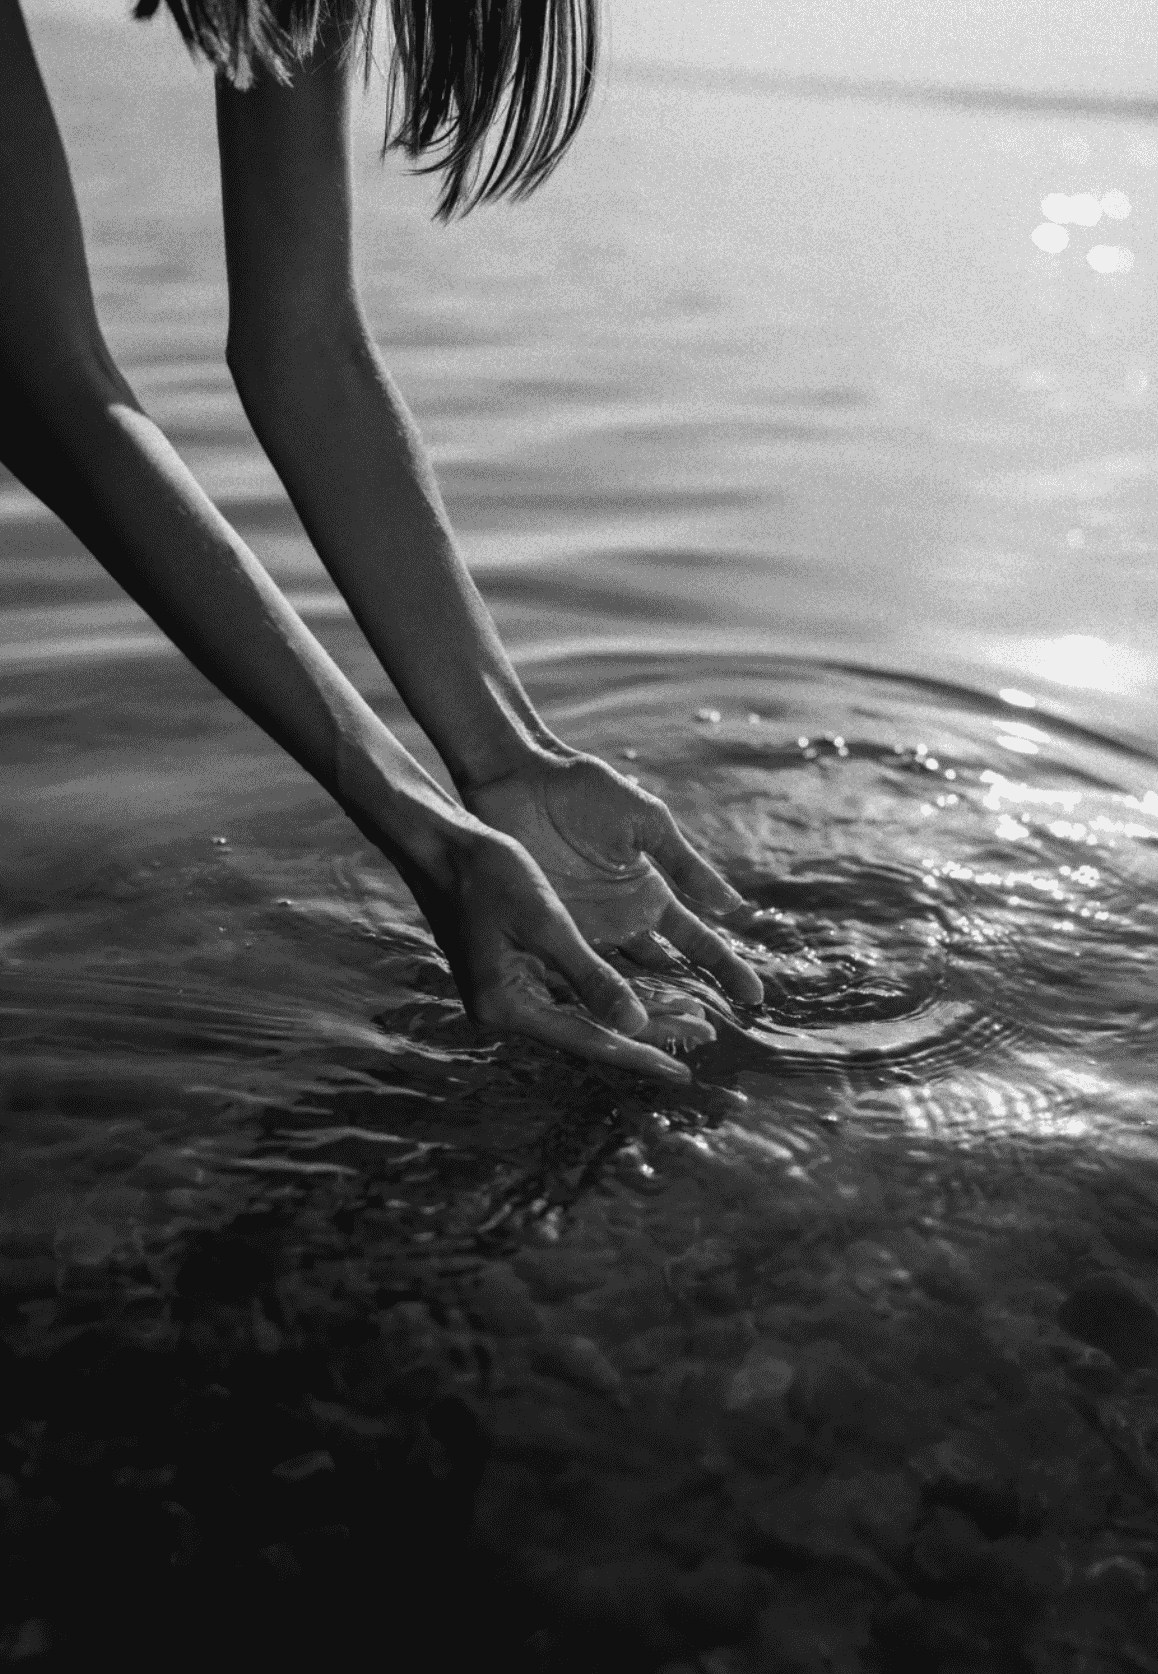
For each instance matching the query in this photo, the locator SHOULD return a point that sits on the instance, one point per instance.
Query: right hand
(503, 928)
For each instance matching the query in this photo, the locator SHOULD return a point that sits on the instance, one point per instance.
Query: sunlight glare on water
(812, 494)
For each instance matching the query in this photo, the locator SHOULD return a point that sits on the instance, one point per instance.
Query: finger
(687, 869)
(653, 954)
(604, 992)
(675, 1029)
(674, 1018)
(668, 1002)
(572, 1032)
(704, 947)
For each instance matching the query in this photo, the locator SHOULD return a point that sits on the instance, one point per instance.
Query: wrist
(417, 824)
(521, 752)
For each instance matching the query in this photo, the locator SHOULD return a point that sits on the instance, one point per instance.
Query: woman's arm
(72, 430)
(328, 415)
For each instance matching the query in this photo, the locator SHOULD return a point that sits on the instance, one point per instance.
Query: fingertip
(627, 1016)
(689, 1032)
(672, 1070)
(723, 899)
(718, 885)
(608, 996)
(745, 985)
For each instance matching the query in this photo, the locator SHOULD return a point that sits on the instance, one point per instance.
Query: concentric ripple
(953, 912)
(245, 1113)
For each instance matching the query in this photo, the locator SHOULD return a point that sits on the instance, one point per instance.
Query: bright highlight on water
(819, 494)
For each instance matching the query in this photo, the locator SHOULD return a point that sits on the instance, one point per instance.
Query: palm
(591, 831)
(510, 942)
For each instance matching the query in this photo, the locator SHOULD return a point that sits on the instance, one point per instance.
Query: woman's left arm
(331, 420)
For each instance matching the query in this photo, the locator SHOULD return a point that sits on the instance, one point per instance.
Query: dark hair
(460, 71)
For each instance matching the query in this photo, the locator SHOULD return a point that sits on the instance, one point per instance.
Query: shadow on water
(318, 1307)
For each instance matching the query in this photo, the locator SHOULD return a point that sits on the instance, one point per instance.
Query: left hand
(592, 832)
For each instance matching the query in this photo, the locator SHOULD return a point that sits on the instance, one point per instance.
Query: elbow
(60, 377)
(276, 356)
(53, 406)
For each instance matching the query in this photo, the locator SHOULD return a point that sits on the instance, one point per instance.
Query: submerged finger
(604, 992)
(571, 1032)
(705, 948)
(675, 1029)
(686, 867)
(674, 1019)
(651, 952)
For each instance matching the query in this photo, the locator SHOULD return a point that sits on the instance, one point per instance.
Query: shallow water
(810, 492)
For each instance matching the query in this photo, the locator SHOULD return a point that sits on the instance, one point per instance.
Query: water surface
(806, 487)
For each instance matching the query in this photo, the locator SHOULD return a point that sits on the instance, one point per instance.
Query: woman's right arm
(74, 433)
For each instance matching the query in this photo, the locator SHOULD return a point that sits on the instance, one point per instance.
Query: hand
(591, 831)
(504, 931)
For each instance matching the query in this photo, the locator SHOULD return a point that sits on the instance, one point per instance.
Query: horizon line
(1137, 107)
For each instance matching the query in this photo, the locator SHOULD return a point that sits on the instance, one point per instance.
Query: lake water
(801, 478)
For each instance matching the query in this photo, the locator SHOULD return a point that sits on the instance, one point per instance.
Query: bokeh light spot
(1110, 258)
(1081, 210)
(1050, 238)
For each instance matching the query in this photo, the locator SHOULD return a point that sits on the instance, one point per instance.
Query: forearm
(82, 443)
(350, 455)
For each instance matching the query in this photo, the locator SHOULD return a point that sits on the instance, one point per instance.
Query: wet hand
(596, 836)
(522, 967)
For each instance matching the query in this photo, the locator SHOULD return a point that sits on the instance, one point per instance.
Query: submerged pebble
(1113, 1317)
(579, 1361)
(764, 1376)
(840, 1361)
(955, 1473)
(304, 1466)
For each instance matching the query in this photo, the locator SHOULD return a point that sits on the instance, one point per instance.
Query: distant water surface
(807, 486)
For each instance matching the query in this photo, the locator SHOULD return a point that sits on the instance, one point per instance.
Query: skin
(544, 863)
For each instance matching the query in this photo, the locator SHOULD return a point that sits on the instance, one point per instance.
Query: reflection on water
(1083, 209)
(846, 1357)
(861, 1317)
(779, 368)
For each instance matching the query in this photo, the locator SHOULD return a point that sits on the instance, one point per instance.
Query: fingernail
(677, 1072)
